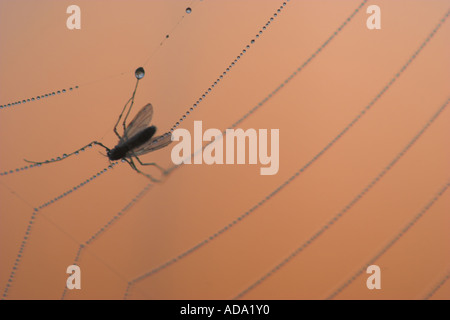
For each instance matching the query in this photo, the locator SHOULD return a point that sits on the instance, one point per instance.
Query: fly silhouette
(138, 138)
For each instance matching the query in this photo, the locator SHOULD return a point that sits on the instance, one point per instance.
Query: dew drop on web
(139, 73)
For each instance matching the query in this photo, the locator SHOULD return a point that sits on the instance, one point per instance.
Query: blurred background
(183, 54)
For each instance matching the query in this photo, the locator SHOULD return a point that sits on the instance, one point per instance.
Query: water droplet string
(392, 242)
(37, 98)
(107, 226)
(227, 70)
(35, 215)
(70, 89)
(308, 164)
(437, 286)
(350, 205)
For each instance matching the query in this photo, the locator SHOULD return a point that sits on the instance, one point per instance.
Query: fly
(138, 137)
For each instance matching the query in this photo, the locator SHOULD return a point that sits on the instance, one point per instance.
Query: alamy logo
(235, 142)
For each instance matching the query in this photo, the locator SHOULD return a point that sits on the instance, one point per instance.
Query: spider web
(198, 200)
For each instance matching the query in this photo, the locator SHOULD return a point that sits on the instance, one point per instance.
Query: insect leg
(65, 156)
(124, 123)
(164, 171)
(128, 112)
(118, 120)
(133, 166)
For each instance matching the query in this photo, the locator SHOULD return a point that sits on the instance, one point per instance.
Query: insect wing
(140, 122)
(154, 144)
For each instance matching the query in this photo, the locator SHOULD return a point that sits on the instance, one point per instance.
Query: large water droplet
(188, 10)
(139, 73)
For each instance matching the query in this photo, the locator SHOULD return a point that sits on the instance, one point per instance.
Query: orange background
(38, 55)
